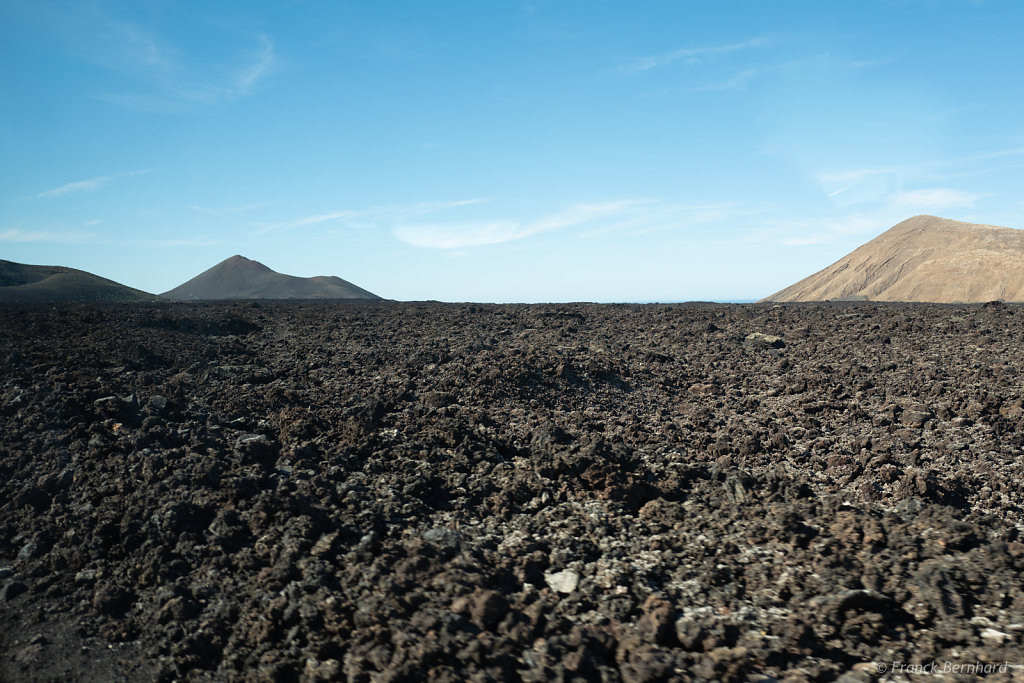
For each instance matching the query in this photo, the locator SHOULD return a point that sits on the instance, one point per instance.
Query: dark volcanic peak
(242, 278)
(239, 262)
(924, 258)
(23, 283)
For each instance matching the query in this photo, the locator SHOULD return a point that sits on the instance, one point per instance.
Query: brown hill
(923, 258)
(242, 278)
(23, 283)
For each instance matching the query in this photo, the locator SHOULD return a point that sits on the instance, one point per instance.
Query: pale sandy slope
(924, 258)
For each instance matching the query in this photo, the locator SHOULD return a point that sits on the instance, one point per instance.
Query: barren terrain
(924, 259)
(241, 278)
(406, 492)
(26, 284)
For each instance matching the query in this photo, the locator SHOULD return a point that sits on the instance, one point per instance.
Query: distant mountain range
(21, 283)
(242, 278)
(925, 259)
(234, 278)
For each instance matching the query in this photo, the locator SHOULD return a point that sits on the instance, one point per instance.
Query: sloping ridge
(925, 259)
(24, 283)
(242, 278)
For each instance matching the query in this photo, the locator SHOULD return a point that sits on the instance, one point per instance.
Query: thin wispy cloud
(953, 112)
(322, 218)
(810, 240)
(184, 242)
(863, 185)
(868, 222)
(17, 235)
(430, 207)
(886, 185)
(262, 64)
(826, 229)
(171, 78)
(936, 198)
(77, 186)
(586, 213)
(692, 55)
(227, 210)
(869, 63)
(973, 164)
(739, 81)
(306, 221)
(87, 185)
(668, 216)
(386, 214)
(588, 221)
(460, 235)
(626, 214)
(24, 236)
(122, 47)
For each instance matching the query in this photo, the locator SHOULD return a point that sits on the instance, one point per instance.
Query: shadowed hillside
(22, 283)
(242, 278)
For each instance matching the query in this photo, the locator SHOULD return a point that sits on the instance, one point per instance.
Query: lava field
(440, 492)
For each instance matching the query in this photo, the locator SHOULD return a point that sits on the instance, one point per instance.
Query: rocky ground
(409, 492)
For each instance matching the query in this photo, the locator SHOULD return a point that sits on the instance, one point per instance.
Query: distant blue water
(693, 301)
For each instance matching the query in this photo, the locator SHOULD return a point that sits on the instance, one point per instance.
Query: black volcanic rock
(23, 283)
(242, 278)
(325, 491)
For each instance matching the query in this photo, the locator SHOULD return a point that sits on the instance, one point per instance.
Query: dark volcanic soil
(401, 492)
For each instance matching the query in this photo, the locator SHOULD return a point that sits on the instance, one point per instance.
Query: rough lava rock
(384, 492)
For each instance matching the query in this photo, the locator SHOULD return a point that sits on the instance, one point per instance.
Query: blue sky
(501, 151)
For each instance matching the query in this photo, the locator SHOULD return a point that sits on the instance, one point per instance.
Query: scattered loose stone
(995, 636)
(313, 491)
(564, 581)
(11, 590)
(765, 340)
